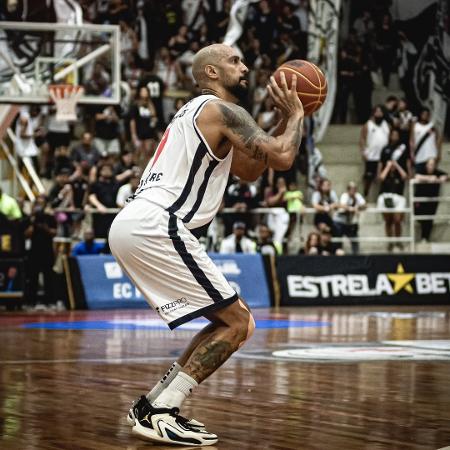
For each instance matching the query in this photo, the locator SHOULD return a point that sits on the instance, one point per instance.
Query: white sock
(176, 392)
(163, 382)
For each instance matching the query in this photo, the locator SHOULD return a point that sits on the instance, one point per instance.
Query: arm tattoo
(243, 125)
(209, 357)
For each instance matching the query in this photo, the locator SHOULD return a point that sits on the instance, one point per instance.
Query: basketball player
(180, 191)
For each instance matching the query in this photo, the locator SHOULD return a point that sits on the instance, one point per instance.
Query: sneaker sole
(151, 435)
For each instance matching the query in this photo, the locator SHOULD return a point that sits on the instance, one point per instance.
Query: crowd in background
(99, 168)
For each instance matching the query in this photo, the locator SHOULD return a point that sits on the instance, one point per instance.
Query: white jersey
(429, 147)
(184, 176)
(25, 146)
(377, 139)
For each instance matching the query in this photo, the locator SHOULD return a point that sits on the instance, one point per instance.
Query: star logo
(401, 279)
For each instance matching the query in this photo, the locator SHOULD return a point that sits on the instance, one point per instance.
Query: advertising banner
(371, 279)
(106, 286)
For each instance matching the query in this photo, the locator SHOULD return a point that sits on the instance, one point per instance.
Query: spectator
(430, 180)
(58, 135)
(278, 219)
(392, 173)
(327, 247)
(404, 120)
(103, 194)
(425, 141)
(126, 167)
(324, 201)
(346, 78)
(386, 43)
(9, 207)
(85, 153)
(106, 129)
(88, 246)
(312, 243)
(374, 137)
(364, 26)
(143, 123)
(267, 117)
(179, 43)
(265, 23)
(288, 22)
(241, 196)
(25, 144)
(346, 217)
(237, 242)
(62, 160)
(61, 194)
(99, 82)
(156, 88)
(41, 229)
(265, 244)
(390, 110)
(127, 190)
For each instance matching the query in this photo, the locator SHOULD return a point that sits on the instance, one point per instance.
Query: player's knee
(243, 327)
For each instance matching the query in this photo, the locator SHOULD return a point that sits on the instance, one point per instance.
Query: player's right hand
(284, 98)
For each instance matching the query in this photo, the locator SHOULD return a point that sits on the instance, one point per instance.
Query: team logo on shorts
(173, 306)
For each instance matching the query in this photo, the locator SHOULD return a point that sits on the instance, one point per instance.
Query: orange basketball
(312, 86)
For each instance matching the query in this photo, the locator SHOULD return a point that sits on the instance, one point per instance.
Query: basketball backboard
(34, 56)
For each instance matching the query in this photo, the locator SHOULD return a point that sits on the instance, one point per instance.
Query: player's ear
(211, 72)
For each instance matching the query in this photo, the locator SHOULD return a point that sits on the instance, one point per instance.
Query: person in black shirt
(155, 87)
(431, 179)
(143, 125)
(41, 230)
(102, 196)
(393, 170)
(265, 244)
(326, 247)
(106, 128)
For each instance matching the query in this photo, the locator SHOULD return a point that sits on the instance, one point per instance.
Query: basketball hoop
(65, 97)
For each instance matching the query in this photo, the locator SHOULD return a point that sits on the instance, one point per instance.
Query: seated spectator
(85, 153)
(237, 242)
(103, 194)
(392, 173)
(312, 244)
(88, 246)
(431, 179)
(267, 117)
(346, 217)
(326, 247)
(265, 244)
(126, 167)
(324, 201)
(127, 190)
(9, 207)
(61, 196)
(63, 161)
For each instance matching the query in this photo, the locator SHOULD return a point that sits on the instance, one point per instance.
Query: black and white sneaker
(131, 419)
(166, 425)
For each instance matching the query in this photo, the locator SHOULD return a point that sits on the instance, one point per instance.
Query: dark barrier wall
(105, 286)
(375, 279)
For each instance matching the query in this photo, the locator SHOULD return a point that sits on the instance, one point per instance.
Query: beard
(239, 91)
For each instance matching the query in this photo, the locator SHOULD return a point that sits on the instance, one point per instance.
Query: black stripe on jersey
(189, 261)
(196, 164)
(201, 191)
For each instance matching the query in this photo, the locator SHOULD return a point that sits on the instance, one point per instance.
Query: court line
(88, 360)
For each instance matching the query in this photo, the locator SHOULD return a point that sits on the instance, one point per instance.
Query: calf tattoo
(206, 359)
(242, 124)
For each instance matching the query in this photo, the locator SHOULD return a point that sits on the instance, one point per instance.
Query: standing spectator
(346, 79)
(265, 23)
(41, 230)
(58, 135)
(88, 246)
(106, 130)
(364, 26)
(405, 119)
(143, 122)
(288, 22)
(102, 196)
(312, 244)
(363, 85)
(425, 141)
(407, 56)
(9, 207)
(374, 137)
(25, 145)
(265, 244)
(278, 218)
(392, 173)
(237, 242)
(430, 180)
(156, 88)
(346, 217)
(385, 47)
(126, 167)
(390, 110)
(324, 201)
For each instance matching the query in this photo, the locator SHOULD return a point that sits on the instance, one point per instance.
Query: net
(65, 97)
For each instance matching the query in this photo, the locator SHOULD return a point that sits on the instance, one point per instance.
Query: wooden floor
(67, 380)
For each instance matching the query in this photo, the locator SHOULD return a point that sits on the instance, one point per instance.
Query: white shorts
(398, 201)
(167, 263)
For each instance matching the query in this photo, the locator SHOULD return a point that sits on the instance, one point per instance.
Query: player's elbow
(283, 162)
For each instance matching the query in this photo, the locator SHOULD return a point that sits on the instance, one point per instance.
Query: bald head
(210, 55)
